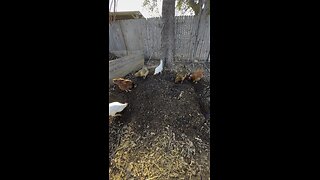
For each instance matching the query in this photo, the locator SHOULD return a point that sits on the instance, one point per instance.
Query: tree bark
(168, 32)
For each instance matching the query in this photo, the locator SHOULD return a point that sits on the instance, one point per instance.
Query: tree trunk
(168, 32)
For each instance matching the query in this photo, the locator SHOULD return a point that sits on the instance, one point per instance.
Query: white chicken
(159, 68)
(116, 107)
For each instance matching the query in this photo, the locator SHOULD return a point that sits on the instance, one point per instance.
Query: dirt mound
(163, 133)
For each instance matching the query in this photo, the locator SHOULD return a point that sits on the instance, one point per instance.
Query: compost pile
(163, 133)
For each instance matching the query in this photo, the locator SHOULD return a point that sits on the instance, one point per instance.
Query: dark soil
(156, 105)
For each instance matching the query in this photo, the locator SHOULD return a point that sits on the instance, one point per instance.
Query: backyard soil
(163, 133)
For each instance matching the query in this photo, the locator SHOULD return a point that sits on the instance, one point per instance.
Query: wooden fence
(134, 35)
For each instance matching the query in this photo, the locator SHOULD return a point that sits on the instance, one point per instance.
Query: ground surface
(164, 132)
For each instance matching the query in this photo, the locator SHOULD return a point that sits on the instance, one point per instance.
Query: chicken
(159, 68)
(197, 75)
(116, 107)
(181, 75)
(123, 84)
(142, 72)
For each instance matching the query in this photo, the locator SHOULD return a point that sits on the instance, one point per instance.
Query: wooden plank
(199, 39)
(185, 38)
(116, 40)
(201, 54)
(178, 37)
(131, 33)
(151, 37)
(125, 65)
(148, 39)
(157, 45)
(126, 53)
(142, 30)
(205, 45)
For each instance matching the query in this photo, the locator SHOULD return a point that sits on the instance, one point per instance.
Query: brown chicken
(142, 72)
(197, 75)
(123, 84)
(181, 75)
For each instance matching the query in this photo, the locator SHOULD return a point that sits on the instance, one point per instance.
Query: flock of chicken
(126, 84)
